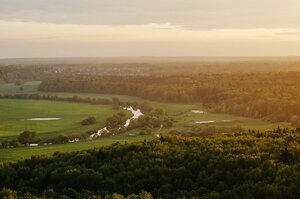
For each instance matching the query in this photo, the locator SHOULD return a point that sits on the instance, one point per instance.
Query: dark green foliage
(145, 107)
(240, 165)
(268, 96)
(56, 98)
(14, 143)
(204, 131)
(5, 144)
(153, 118)
(89, 121)
(28, 137)
(7, 193)
(286, 156)
(116, 121)
(61, 139)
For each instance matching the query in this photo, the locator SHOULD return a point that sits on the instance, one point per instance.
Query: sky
(125, 28)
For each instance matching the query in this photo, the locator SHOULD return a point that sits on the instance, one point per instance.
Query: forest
(268, 96)
(240, 165)
(205, 161)
(12, 70)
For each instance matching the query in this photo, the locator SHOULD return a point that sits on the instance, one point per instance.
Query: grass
(189, 118)
(32, 88)
(28, 87)
(14, 113)
(15, 154)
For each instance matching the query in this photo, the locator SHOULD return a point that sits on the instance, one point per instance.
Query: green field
(15, 154)
(28, 87)
(226, 120)
(32, 88)
(14, 114)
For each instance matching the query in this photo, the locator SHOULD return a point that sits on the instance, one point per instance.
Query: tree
(286, 156)
(7, 193)
(145, 107)
(61, 139)
(28, 137)
(116, 120)
(14, 143)
(89, 121)
(5, 143)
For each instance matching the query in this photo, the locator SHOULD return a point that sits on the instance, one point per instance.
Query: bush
(28, 137)
(89, 121)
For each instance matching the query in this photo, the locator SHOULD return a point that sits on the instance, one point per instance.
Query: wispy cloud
(289, 32)
(199, 14)
(143, 27)
(136, 33)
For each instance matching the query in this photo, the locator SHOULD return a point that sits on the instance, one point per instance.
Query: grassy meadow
(15, 154)
(32, 88)
(15, 112)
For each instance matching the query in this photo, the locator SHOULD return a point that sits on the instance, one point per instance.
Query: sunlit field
(16, 112)
(18, 115)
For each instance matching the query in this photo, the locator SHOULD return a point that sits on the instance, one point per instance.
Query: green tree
(61, 139)
(28, 137)
(5, 143)
(89, 121)
(7, 193)
(15, 143)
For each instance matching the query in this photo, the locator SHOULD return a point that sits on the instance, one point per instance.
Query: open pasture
(65, 118)
(15, 113)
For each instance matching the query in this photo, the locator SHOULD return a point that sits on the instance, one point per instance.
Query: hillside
(241, 165)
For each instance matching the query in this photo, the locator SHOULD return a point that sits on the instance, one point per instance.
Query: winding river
(136, 114)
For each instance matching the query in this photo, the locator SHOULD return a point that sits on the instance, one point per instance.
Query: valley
(16, 117)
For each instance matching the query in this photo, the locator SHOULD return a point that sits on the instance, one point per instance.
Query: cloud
(44, 39)
(143, 27)
(198, 14)
(289, 32)
(32, 31)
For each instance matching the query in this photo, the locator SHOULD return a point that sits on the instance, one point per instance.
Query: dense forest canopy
(240, 165)
(269, 96)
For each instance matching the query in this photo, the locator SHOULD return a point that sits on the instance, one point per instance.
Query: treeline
(28, 70)
(12, 73)
(41, 71)
(205, 131)
(240, 165)
(268, 96)
(27, 138)
(56, 98)
(70, 194)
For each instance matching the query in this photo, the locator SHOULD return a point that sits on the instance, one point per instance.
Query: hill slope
(249, 165)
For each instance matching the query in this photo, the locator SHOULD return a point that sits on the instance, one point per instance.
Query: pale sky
(108, 28)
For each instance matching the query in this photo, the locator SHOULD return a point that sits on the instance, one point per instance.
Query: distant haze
(112, 28)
